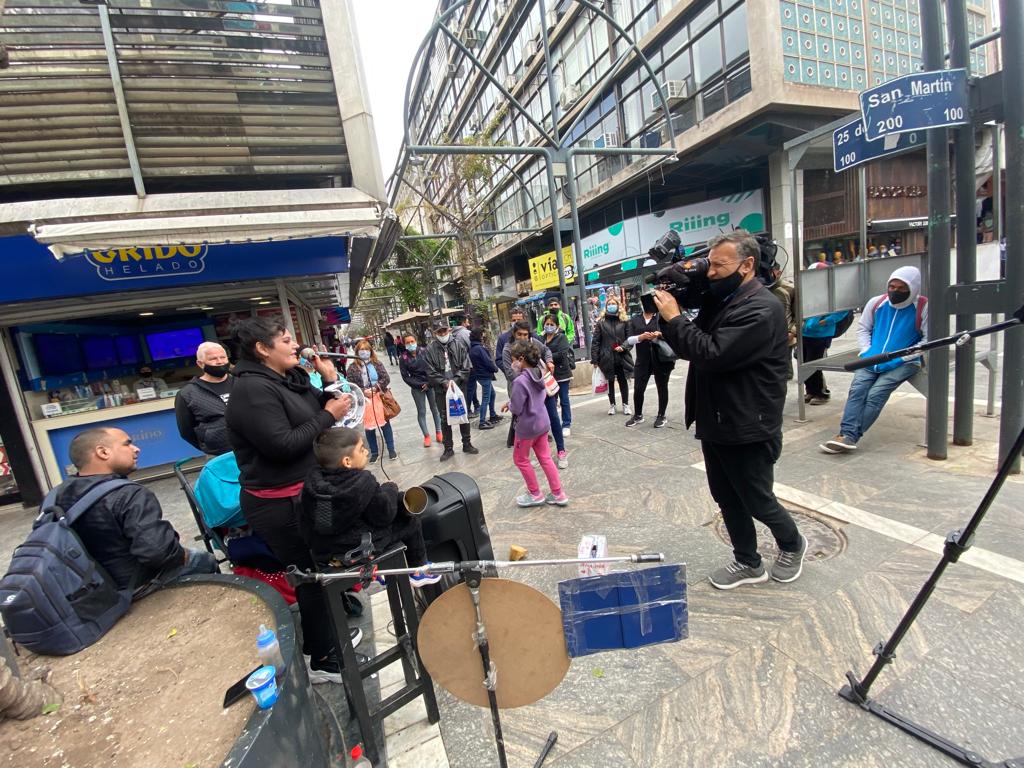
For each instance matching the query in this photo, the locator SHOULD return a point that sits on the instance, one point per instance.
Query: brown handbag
(391, 406)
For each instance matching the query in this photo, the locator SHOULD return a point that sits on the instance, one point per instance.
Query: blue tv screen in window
(58, 353)
(99, 352)
(168, 345)
(129, 349)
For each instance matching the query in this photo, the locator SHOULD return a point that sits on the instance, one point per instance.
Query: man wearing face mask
(735, 390)
(200, 405)
(448, 360)
(895, 320)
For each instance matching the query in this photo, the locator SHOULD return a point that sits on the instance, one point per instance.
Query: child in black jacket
(342, 500)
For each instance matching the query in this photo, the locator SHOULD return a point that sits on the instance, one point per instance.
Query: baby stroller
(215, 504)
(214, 500)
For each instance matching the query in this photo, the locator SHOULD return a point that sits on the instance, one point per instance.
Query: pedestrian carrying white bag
(456, 405)
(599, 382)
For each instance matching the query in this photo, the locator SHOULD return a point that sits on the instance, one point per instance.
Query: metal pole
(286, 312)
(574, 213)
(122, 105)
(556, 233)
(1012, 419)
(997, 210)
(555, 117)
(798, 265)
(966, 240)
(938, 245)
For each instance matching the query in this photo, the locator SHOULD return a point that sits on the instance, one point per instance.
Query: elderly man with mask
(895, 320)
(200, 405)
(448, 360)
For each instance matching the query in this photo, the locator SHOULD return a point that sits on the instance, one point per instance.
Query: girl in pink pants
(532, 424)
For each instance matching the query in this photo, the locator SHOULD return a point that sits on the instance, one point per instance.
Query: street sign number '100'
(915, 102)
(851, 147)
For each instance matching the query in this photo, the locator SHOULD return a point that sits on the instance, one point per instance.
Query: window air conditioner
(610, 139)
(570, 95)
(530, 49)
(496, 282)
(511, 81)
(676, 92)
(473, 38)
(456, 70)
(552, 18)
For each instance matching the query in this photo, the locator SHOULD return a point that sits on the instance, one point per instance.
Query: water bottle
(358, 759)
(269, 650)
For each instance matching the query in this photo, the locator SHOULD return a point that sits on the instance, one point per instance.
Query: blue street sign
(850, 146)
(913, 102)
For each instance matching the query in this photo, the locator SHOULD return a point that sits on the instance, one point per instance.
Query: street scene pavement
(755, 683)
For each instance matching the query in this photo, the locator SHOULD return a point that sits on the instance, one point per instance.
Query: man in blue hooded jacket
(895, 320)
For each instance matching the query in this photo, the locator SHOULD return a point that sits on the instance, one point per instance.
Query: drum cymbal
(527, 643)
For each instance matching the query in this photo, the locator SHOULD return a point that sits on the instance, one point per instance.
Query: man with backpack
(57, 598)
(894, 320)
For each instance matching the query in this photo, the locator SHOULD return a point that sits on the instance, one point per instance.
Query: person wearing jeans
(413, 367)
(370, 373)
(893, 321)
(644, 332)
(483, 373)
(564, 361)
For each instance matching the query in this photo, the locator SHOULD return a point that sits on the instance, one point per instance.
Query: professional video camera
(686, 277)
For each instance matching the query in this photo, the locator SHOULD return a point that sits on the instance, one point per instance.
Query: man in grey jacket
(447, 361)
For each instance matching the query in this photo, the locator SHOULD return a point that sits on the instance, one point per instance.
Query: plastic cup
(415, 500)
(263, 686)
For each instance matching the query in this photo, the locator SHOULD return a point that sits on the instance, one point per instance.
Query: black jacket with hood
(358, 504)
(739, 356)
(200, 415)
(272, 423)
(124, 531)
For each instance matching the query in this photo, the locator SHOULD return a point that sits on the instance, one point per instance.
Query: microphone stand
(473, 571)
(957, 542)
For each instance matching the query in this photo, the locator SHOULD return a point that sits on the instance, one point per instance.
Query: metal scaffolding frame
(558, 159)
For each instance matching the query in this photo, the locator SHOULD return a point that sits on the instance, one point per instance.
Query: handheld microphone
(309, 353)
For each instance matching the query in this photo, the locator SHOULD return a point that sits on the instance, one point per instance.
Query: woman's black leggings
(640, 379)
(619, 376)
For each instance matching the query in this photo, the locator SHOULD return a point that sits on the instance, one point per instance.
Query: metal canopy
(237, 91)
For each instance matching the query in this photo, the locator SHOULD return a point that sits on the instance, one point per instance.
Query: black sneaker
(496, 418)
(660, 422)
(470, 449)
(448, 453)
(373, 457)
(487, 425)
(634, 420)
(392, 455)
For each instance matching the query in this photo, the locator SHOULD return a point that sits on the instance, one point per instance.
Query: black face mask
(723, 288)
(216, 370)
(553, 311)
(898, 297)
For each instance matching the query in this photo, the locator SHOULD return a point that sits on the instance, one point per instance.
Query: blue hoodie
(884, 326)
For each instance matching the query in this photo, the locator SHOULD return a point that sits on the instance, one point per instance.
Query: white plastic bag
(456, 403)
(599, 382)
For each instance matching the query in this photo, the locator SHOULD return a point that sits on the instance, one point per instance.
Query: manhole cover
(824, 540)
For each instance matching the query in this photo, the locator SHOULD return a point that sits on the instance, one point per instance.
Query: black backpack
(55, 599)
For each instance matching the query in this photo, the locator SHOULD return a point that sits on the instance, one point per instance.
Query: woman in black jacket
(642, 333)
(609, 352)
(554, 339)
(413, 367)
(273, 417)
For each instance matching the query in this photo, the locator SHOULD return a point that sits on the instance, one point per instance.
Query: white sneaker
(566, 432)
(626, 411)
(563, 460)
(611, 410)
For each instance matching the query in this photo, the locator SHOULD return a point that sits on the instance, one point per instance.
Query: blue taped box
(626, 609)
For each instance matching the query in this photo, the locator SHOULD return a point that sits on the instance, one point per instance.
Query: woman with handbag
(610, 353)
(653, 357)
(369, 373)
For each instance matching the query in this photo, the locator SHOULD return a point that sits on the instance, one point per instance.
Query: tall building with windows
(741, 77)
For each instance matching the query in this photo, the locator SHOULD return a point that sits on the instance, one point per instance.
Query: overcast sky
(390, 31)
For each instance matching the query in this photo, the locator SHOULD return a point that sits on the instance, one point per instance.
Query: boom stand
(957, 542)
(472, 571)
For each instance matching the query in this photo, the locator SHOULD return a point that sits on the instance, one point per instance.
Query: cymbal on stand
(527, 643)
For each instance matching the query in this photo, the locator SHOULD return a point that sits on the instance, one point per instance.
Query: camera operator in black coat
(735, 389)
